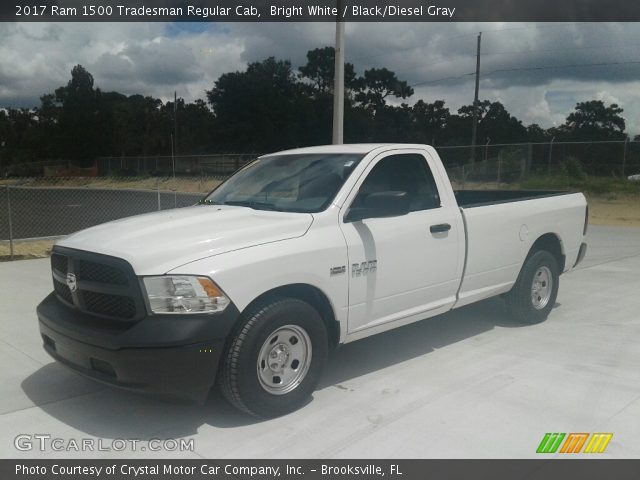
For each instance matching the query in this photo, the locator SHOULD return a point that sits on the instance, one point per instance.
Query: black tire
(239, 378)
(520, 300)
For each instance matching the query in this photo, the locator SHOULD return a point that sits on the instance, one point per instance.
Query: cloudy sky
(580, 61)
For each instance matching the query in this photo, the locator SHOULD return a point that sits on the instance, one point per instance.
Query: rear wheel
(273, 362)
(535, 291)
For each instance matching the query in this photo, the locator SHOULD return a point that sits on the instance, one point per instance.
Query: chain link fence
(166, 165)
(36, 210)
(222, 164)
(508, 163)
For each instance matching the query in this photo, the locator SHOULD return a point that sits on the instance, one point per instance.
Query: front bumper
(170, 356)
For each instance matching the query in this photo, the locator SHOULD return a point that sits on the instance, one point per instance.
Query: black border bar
(546, 469)
(298, 10)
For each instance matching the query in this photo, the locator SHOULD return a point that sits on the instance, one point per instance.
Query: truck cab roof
(362, 148)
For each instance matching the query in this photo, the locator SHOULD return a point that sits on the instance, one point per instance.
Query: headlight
(184, 294)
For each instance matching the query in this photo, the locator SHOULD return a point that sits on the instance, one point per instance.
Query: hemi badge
(337, 270)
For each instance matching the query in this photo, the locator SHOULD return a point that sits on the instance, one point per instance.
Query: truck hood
(155, 243)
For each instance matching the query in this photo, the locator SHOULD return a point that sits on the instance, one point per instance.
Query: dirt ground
(25, 249)
(615, 210)
(179, 184)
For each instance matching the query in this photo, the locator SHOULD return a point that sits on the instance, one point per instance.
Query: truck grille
(97, 272)
(59, 263)
(104, 286)
(63, 291)
(110, 305)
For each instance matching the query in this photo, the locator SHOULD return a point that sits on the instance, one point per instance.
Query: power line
(517, 69)
(487, 54)
(548, 67)
(464, 35)
(554, 25)
(591, 47)
(438, 80)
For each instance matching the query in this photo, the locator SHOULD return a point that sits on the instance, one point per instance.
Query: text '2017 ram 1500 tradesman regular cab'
(297, 252)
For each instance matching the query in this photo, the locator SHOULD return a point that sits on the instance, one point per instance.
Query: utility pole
(338, 80)
(474, 128)
(175, 120)
(174, 146)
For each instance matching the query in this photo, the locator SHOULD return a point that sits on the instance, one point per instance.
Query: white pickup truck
(296, 253)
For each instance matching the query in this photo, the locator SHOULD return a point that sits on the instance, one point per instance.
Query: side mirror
(379, 205)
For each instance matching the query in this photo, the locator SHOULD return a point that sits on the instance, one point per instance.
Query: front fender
(246, 274)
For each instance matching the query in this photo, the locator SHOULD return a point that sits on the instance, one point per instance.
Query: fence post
(158, 190)
(550, 153)
(624, 155)
(486, 155)
(10, 221)
(463, 177)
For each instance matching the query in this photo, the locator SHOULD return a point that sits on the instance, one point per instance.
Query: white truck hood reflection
(155, 243)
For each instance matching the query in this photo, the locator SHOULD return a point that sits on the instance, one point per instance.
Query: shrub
(572, 168)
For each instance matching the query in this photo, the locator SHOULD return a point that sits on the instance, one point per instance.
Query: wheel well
(313, 296)
(552, 244)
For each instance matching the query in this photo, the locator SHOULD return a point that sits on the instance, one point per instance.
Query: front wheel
(535, 291)
(273, 362)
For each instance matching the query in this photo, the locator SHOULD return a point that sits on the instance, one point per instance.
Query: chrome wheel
(541, 288)
(284, 359)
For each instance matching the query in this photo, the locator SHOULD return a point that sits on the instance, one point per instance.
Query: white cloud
(607, 97)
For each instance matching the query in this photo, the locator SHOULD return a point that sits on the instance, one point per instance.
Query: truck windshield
(288, 183)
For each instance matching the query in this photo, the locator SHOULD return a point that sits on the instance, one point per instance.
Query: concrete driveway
(466, 384)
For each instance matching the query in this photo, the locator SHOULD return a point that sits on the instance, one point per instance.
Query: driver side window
(405, 173)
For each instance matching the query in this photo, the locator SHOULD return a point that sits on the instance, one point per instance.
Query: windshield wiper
(253, 204)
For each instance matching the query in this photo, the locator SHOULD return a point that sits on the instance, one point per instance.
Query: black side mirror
(379, 205)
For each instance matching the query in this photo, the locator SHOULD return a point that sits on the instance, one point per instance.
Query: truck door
(401, 268)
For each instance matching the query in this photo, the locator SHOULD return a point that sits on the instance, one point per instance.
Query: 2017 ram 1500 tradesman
(297, 252)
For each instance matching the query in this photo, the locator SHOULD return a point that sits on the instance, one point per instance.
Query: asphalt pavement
(466, 384)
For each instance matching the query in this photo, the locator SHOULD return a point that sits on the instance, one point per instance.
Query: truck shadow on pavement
(110, 413)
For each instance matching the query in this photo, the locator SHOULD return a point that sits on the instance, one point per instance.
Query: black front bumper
(171, 356)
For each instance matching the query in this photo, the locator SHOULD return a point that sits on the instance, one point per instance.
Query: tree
(502, 127)
(430, 121)
(261, 109)
(376, 85)
(18, 136)
(495, 123)
(81, 135)
(320, 70)
(195, 127)
(537, 134)
(270, 106)
(592, 121)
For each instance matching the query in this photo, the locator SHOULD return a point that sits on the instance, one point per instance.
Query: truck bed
(477, 198)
